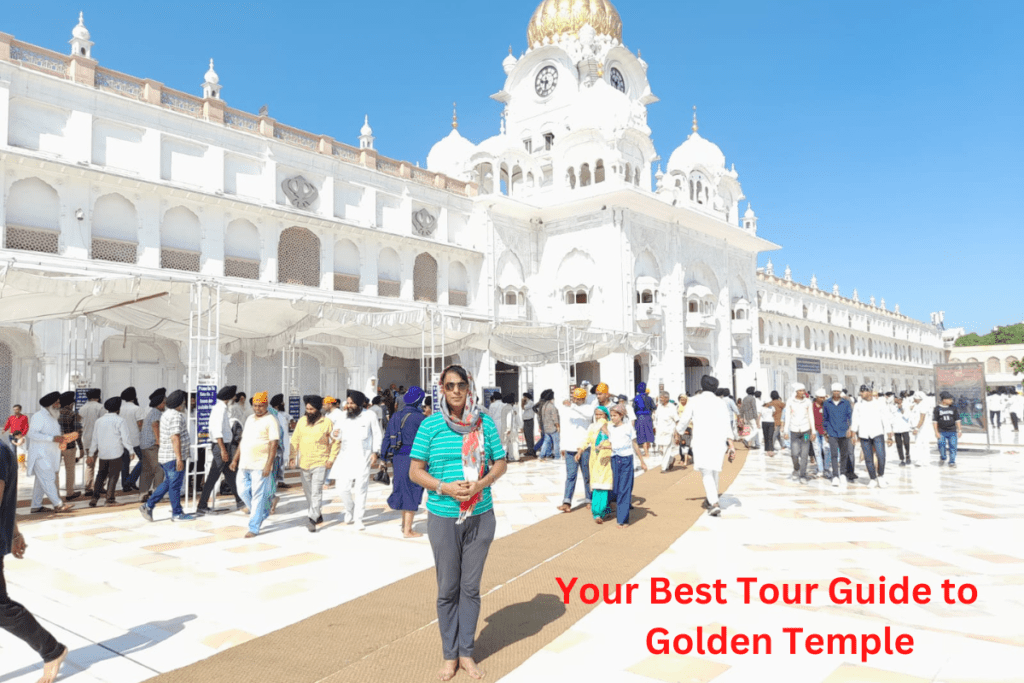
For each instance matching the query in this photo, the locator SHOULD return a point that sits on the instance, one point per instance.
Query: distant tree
(1017, 366)
(1011, 334)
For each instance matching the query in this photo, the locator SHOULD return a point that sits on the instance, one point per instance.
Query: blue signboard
(808, 365)
(206, 398)
(80, 397)
(295, 407)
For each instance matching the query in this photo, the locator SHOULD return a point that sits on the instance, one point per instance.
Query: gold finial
(510, 49)
(639, 55)
(455, 117)
(694, 118)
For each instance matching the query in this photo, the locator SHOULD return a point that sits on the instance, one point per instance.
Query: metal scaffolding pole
(432, 338)
(203, 371)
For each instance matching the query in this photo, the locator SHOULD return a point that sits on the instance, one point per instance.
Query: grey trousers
(460, 551)
(799, 449)
(313, 487)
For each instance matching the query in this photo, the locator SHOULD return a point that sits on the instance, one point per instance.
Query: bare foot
(447, 672)
(598, 520)
(411, 534)
(564, 507)
(469, 666)
(622, 526)
(51, 669)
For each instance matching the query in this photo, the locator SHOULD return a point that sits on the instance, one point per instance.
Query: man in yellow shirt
(316, 452)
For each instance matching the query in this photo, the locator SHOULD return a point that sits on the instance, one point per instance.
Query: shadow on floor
(135, 640)
(517, 622)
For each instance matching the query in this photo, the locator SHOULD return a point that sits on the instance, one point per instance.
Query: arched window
(581, 296)
(629, 174)
(805, 311)
(584, 175)
(831, 341)
(33, 217)
(298, 258)
(691, 190)
(636, 175)
(693, 306)
(807, 337)
(828, 315)
(510, 298)
(180, 239)
(570, 297)
(389, 273)
(115, 229)
(571, 178)
(346, 266)
(700, 188)
(424, 278)
(458, 284)
(993, 365)
(599, 171)
(242, 250)
(647, 297)
(760, 330)
(1010, 360)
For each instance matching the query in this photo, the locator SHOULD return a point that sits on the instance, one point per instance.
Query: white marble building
(559, 221)
(818, 337)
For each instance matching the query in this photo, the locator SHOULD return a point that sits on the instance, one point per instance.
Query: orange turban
(330, 399)
(579, 393)
(601, 388)
(260, 398)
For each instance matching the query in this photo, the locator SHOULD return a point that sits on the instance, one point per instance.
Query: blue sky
(880, 143)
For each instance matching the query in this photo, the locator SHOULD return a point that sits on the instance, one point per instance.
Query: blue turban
(414, 396)
(641, 388)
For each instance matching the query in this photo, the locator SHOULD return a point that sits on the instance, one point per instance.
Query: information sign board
(966, 381)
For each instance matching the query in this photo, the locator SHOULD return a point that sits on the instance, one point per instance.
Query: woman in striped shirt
(456, 456)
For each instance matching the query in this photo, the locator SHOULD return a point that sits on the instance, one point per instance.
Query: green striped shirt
(441, 448)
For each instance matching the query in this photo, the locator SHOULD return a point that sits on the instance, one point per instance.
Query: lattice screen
(424, 278)
(114, 250)
(6, 379)
(45, 241)
(391, 288)
(346, 283)
(457, 298)
(235, 372)
(309, 375)
(243, 268)
(298, 258)
(179, 260)
(266, 375)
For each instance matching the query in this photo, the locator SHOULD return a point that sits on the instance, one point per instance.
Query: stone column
(368, 253)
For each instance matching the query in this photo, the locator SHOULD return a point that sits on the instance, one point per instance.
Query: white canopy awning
(263, 317)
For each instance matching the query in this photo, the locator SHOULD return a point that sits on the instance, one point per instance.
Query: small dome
(366, 130)
(80, 31)
(554, 18)
(696, 151)
(749, 213)
(450, 155)
(509, 62)
(211, 75)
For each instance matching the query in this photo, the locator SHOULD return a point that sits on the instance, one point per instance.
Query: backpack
(395, 442)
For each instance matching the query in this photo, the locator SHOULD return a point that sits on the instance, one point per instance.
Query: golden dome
(557, 17)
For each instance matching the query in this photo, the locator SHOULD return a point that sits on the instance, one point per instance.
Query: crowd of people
(454, 454)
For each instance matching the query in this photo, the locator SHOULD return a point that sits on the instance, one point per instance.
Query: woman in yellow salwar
(600, 449)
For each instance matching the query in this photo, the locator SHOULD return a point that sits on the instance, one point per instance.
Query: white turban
(836, 386)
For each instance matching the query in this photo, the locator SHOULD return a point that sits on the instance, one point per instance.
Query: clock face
(546, 81)
(618, 82)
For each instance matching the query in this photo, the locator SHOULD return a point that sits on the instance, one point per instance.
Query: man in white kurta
(665, 418)
(711, 437)
(360, 436)
(336, 415)
(43, 456)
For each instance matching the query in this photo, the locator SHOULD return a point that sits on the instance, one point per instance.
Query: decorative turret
(366, 134)
(81, 46)
(835, 289)
(769, 269)
(509, 62)
(750, 220)
(788, 276)
(211, 84)
(814, 282)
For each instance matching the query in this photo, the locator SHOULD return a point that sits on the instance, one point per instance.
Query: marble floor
(132, 599)
(931, 524)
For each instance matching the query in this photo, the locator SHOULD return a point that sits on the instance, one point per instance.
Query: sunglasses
(453, 386)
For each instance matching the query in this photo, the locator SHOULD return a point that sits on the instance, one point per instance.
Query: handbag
(382, 475)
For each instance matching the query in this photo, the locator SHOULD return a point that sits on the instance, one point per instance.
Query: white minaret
(81, 46)
(750, 220)
(366, 134)
(211, 85)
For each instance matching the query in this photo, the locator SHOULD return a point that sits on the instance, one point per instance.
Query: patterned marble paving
(132, 598)
(931, 524)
